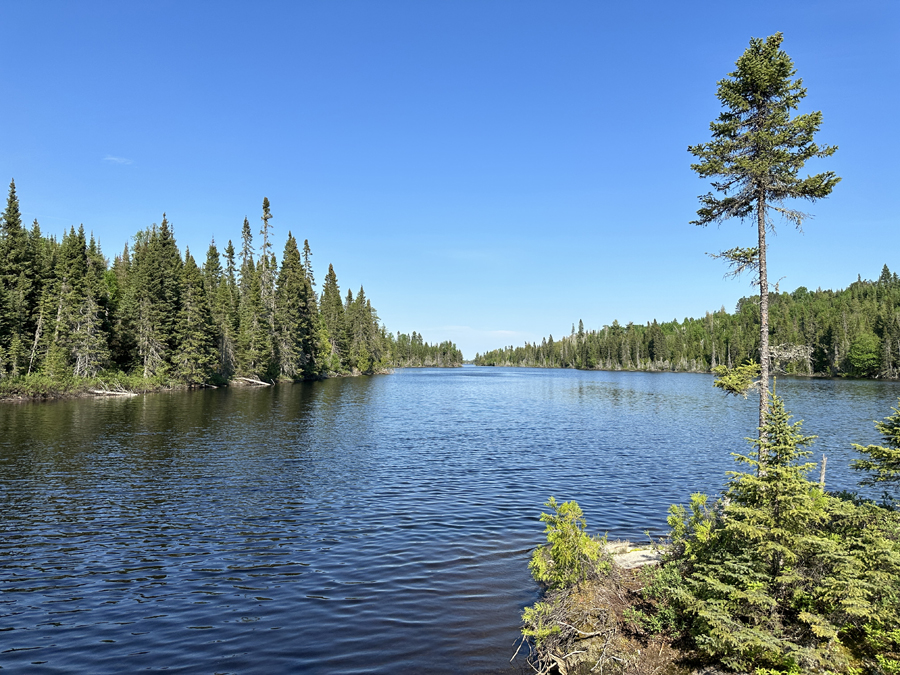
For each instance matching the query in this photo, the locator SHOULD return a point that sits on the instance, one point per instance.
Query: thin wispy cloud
(116, 160)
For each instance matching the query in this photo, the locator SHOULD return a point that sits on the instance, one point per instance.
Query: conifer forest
(851, 332)
(165, 318)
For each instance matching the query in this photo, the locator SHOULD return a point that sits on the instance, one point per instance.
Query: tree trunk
(763, 317)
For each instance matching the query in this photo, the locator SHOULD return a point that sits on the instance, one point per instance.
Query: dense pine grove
(855, 331)
(157, 315)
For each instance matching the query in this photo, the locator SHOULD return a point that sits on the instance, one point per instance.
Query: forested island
(854, 331)
(71, 321)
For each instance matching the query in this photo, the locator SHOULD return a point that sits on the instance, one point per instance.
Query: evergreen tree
(17, 279)
(744, 572)
(194, 360)
(755, 156)
(362, 330)
(307, 264)
(267, 268)
(295, 314)
(225, 315)
(254, 341)
(90, 351)
(254, 344)
(882, 461)
(170, 273)
(248, 267)
(122, 343)
(230, 269)
(156, 290)
(780, 575)
(212, 271)
(332, 310)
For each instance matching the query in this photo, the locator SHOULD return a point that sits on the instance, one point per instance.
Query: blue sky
(491, 171)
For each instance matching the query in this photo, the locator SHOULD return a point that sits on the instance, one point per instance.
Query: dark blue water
(374, 524)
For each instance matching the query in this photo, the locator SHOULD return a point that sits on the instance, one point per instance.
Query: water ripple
(362, 525)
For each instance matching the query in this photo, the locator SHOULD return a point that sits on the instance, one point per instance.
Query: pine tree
(363, 350)
(755, 155)
(267, 268)
(882, 461)
(122, 343)
(332, 311)
(307, 264)
(746, 570)
(221, 308)
(170, 273)
(253, 348)
(17, 281)
(248, 267)
(90, 350)
(295, 314)
(156, 297)
(226, 315)
(255, 351)
(194, 360)
(212, 271)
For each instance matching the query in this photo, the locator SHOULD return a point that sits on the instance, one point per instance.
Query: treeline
(855, 331)
(157, 314)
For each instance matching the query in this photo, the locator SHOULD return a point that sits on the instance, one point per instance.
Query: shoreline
(810, 376)
(45, 392)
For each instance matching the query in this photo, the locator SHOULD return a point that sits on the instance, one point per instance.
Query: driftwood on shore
(252, 381)
(107, 392)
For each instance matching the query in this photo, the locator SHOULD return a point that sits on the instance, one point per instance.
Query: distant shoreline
(809, 376)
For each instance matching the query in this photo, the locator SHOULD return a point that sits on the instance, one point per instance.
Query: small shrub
(656, 614)
(539, 623)
(571, 555)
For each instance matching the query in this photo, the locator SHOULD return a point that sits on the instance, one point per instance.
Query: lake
(371, 524)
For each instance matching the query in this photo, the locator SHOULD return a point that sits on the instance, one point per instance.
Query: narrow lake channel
(374, 524)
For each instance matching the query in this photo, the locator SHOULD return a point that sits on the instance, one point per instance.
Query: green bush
(571, 555)
(656, 614)
(539, 622)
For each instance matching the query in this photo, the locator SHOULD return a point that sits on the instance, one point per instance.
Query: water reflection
(368, 524)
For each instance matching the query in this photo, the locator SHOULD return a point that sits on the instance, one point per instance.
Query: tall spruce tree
(332, 310)
(195, 357)
(754, 156)
(73, 329)
(170, 273)
(295, 315)
(267, 267)
(156, 289)
(212, 271)
(307, 264)
(122, 340)
(248, 267)
(17, 278)
(255, 351)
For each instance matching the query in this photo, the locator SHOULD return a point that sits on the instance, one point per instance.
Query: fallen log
(107, 392)
(252, 381)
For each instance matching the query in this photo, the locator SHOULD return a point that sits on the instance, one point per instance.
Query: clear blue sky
(491, 171)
